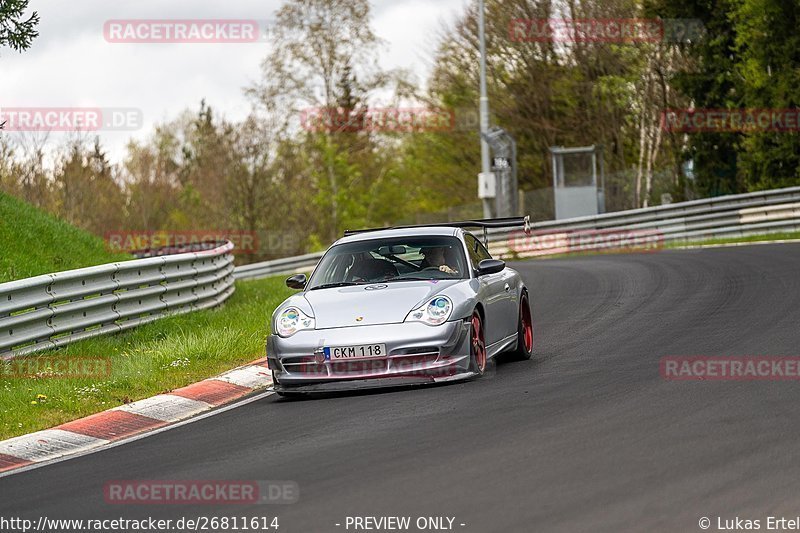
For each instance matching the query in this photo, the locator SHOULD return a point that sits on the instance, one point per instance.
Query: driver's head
(435, 255)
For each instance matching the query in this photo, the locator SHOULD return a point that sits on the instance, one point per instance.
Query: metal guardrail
(740, 215)
(736, 215)
(53, 310)
(286, 265)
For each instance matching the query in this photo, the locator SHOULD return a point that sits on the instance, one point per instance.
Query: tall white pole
(484, 106)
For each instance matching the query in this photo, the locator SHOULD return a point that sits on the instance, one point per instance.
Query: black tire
(477, 345)
(524, 348)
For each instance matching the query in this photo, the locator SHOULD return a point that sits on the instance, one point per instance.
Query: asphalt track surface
(585, 437)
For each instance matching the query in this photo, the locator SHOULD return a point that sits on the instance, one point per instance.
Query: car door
(509, 309)
(493, 292)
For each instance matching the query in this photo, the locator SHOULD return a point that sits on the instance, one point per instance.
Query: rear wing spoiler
(485, 223)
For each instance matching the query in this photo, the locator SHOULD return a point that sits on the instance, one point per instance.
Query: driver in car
(435, 257)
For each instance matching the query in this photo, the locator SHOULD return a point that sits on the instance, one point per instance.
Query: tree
(86, 193)
(709, 81)
(151, 173)
(31, 173)
(16, 31)
(545, 93)
(325, 57)
(767, 49)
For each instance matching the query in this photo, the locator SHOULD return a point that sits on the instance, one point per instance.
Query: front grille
(422, 350)
(409, 361)
(306, 365)
(344, 368)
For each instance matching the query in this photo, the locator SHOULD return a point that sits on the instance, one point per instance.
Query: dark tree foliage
(16, 31)
(748, 59)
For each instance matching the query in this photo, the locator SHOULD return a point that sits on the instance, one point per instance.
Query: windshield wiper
(337, 284)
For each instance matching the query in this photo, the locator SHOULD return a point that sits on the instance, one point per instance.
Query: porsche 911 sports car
(397, 306)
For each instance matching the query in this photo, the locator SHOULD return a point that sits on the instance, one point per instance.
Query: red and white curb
(132, 419)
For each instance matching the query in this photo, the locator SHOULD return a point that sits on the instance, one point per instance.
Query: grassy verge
(152, 359)
(33, 242)
(736, 240)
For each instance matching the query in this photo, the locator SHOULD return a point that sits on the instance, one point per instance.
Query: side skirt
(501, 346)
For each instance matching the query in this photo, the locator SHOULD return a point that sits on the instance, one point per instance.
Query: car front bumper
(417, 354)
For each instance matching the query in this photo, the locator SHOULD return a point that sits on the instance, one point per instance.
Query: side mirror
(298, 281)
(490, 266)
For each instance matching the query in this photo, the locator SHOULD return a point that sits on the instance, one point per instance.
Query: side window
(477, 252)
(471, 245)
(482, 252)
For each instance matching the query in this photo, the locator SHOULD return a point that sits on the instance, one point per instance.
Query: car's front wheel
(477, 345)
(524, 330)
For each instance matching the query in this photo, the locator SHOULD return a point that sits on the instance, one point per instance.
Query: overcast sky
(72, 65)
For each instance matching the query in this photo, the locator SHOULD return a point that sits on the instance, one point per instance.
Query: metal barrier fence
(53, 310)
(740, 215)
(724, 216)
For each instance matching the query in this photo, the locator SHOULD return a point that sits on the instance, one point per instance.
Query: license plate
(362, 351)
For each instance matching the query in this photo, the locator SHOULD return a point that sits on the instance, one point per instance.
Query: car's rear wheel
(524, 330)
(477, 345)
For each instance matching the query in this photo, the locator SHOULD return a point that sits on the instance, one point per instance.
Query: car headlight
(292, 320)
(433, 312)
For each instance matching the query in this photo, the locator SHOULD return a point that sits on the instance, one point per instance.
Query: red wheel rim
(527, 325)
(478, 344)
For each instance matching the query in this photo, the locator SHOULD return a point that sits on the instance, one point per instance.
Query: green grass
(152, 359)
(33, 242)
(735, 240)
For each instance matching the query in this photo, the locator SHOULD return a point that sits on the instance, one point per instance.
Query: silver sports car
(410, 305)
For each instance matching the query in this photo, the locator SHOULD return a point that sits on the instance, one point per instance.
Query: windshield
(396, 259)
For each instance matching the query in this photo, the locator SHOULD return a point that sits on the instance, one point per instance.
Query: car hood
(367, 305)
